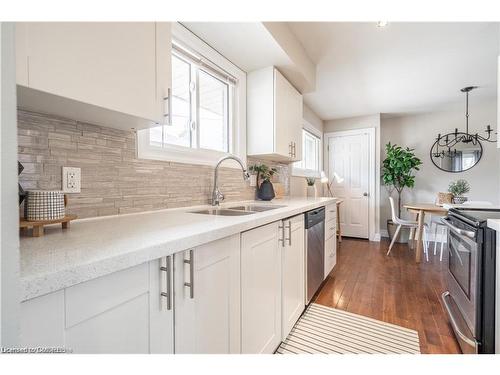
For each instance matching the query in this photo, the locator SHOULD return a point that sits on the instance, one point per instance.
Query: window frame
(183, 38)
(303, 172)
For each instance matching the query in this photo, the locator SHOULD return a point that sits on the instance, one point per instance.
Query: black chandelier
(448, 141)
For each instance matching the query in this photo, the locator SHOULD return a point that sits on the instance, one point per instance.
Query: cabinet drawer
(330, 212)
(330, 229)
(94, 297)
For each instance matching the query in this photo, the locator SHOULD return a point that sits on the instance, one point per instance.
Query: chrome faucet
(217, 196)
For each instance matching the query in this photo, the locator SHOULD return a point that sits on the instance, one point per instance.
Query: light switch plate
(71, 179)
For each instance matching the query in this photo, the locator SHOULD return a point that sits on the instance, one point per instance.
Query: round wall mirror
(458, 158)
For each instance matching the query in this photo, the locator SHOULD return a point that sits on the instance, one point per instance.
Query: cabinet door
(282, 141)
(161, 306)
(330, 254)
(207, 298)
(113, 65)
(260, 290)
(293, 273)
(296, 123)
(288, 119)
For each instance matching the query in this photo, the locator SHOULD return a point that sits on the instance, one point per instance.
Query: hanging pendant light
(450, 140)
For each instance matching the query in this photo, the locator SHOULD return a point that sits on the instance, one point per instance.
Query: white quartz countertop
(96, 247)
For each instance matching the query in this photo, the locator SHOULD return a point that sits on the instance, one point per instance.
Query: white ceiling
(400, 69)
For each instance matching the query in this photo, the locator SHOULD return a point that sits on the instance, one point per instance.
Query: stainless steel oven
(469, 280)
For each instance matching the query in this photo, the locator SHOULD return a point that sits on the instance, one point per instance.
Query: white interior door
(348, 159)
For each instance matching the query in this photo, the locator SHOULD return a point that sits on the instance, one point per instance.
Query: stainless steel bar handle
(461, 232)
(190, 284)
(294, 149)
(282, 239)
(168, 274)
(168, 114)
(464, 337)
(289, 226)
(290, 148)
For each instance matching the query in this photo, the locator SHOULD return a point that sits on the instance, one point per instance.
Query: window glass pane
(179, 132)
(310, 152)
(213, 112)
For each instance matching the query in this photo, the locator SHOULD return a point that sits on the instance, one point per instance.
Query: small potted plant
(265, 190)
(458, 189)
(311, 187)
(398, 170)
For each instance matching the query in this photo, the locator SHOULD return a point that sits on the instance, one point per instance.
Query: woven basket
(44, 205)
(444, 198)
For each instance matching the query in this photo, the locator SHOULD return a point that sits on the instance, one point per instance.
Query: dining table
(420, 209)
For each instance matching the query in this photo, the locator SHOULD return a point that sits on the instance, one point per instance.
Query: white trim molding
(374, 178)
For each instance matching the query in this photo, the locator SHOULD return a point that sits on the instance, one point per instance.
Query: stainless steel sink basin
(255, 207)
(223, 212)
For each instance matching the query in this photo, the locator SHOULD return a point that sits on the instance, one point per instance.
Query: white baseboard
(376, 237)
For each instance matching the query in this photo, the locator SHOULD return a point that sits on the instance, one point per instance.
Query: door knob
(365, 194)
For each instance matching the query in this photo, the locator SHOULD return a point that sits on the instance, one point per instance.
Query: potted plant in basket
(397, 174)
(311, 187)
(265, 190)
(458, 189)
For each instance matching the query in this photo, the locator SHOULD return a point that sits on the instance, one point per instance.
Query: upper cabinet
(113, 74)
(274, 116)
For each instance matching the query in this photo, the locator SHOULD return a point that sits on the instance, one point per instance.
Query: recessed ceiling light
(382, 23)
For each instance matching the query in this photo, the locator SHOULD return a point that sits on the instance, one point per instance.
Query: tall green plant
(398, 168)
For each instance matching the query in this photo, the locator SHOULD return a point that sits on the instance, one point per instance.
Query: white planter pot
(311, 191)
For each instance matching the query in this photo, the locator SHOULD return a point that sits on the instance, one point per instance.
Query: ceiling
(403, 68)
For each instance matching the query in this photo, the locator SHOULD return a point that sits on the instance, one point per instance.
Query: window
(208, 98)
(200, 108)
(310, 165)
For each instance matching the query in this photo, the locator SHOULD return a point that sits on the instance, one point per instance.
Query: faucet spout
(217, 195)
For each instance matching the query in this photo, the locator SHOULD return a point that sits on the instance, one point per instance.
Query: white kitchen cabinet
(109, 73)
(116, 313)
(274, 116)
(330, 238)
(293, 273)
(261, 289)
(207, 298)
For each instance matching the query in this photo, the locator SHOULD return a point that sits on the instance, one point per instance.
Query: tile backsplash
(114, 180)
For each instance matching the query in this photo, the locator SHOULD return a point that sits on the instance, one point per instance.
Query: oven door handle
(463, 336)
(461, 232)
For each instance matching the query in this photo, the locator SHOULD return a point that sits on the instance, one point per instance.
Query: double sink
(240, 210)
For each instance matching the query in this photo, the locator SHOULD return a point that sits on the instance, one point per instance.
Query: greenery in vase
(263, 171)
(310, 181)
(459, 188)
(398, 168)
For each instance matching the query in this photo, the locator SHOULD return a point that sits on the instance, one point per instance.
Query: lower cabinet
(117, 313)
(330, 238)
(132, 311)
(261, 289)
(293, 273)
(207, 298)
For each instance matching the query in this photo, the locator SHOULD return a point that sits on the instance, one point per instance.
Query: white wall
(298, 185)
(420, 131)
(360, 122)
(9, 216)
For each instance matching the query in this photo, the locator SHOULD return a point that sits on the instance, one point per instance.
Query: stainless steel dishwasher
(315, 250)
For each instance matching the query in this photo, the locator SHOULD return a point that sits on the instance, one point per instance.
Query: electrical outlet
(71, 179)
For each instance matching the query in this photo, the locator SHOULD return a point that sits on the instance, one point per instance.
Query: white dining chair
(407, 224)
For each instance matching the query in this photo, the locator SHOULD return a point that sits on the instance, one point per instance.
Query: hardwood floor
(393, 289)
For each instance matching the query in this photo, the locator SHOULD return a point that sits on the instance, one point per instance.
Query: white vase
(311, 191)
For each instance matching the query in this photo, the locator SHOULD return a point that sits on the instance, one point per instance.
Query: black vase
(266, 191)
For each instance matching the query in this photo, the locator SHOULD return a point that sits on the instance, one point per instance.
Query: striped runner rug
(325, 330)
